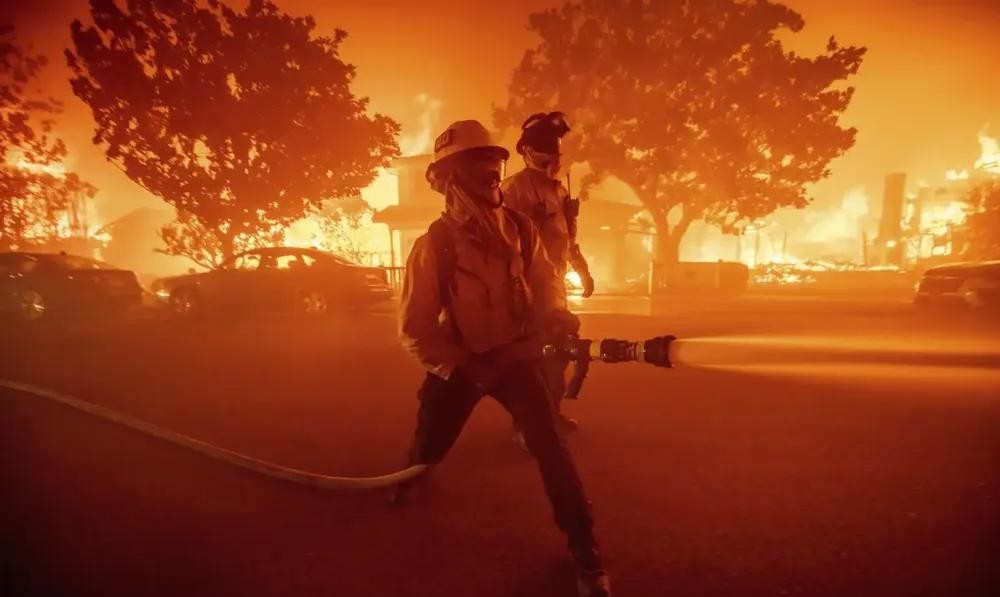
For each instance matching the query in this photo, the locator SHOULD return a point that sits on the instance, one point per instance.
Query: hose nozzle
(655, 351)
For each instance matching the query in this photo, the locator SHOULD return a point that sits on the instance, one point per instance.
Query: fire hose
(216, 452)
(655, 351)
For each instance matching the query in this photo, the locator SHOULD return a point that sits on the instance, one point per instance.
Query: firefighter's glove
(560, 323)
(579, 263)
(588, 283)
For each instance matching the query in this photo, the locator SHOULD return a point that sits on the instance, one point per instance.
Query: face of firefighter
(550, 163)
(480, 175)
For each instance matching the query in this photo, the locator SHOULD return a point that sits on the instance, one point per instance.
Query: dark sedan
(305, 281)
(34, 286)
(974, 285)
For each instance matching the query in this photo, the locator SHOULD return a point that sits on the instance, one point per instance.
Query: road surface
(848, 475)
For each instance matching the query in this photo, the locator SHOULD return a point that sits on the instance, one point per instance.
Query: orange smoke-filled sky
(929, 82)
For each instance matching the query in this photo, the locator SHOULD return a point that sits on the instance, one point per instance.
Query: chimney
(890, 226)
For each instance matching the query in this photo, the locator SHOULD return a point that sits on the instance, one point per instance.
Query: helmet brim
(493, 150)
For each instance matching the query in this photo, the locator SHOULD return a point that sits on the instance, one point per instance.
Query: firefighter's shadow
(551, 578)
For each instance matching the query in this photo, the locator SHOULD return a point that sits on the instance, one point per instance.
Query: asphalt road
(864, 461)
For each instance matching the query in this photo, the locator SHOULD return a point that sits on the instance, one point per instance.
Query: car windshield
(244, 262)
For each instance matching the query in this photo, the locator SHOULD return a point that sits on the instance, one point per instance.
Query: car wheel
(31, 305)
(314, 303)
(185, 302)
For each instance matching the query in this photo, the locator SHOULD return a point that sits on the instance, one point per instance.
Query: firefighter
(476, 283)
(537, 192)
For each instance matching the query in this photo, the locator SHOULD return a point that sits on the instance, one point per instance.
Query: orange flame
(989, 157)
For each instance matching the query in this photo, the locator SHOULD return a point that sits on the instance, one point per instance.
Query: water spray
(765, 353)
(725, 352)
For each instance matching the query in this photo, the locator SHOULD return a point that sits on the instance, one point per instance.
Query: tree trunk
(226, 242)
(668, 243)
(668, 248)
(668, 240)
(664, 256)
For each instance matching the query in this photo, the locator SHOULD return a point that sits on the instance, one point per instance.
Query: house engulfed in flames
(928, 226)
(614, 240)
(74, 229)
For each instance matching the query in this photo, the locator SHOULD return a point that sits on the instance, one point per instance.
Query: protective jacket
(481, 311)
(544, 200)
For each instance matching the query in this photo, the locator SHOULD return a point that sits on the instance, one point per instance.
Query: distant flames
(988, 161)
(989, 158)
(430, 113)
(573, 281)
(843, 222)
(79, 220)
(939, 213)
(56, 170)
(305, 234)
(369, 241)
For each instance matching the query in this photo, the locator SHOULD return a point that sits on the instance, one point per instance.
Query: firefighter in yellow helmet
(537, 192)
(476, 283)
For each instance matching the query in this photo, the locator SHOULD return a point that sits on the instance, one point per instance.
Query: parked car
(34, 286)
(972, 285)
(306, 281)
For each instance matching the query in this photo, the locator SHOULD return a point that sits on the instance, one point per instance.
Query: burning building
(616, 243)
(416, 208)
(928, 226)
(55, 213)
(132, 241)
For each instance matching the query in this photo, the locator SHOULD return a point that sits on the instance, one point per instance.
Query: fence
(394, 276)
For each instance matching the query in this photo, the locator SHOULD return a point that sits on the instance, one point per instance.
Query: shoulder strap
(444, 250)
(525, 233)
(447, 261)
(539, 210)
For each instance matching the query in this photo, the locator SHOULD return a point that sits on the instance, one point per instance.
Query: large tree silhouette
(36, 193)
(696, 105)
(243, 121)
